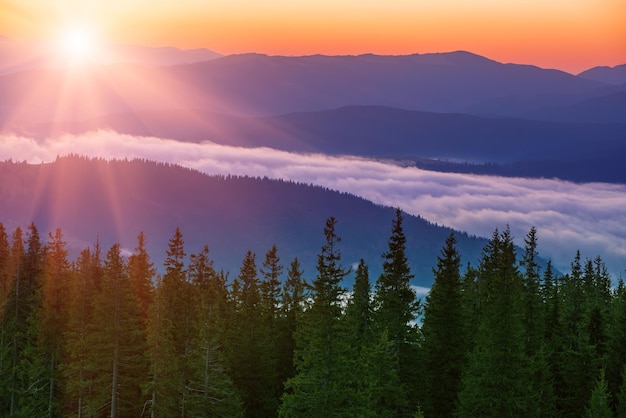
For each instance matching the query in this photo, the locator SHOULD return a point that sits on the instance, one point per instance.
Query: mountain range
(451, 111)
(17, 56)
(455, 111)
(259, 85)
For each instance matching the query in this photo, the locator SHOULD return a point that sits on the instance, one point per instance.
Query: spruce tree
(78, 371)
(245, 342)
(54, 319)
(359, 308)
(616, 356)
(536, 349)
(141, 273)
(319, 387)
(599, 402)
(375, 381)
(270, 288)
(211, 390)
(395, 310)
(117, 343)
(495, 383)
(6, 277)
(169, 333)
(576, 383)
(444, 341)
(28, 390)
(294, 296)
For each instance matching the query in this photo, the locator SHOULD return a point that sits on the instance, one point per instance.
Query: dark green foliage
(294, 296)
(169, 330)
(395, 310)
(495, 383)
(359, 309)
(25, 382)
(321, 387)
(599, 403)
(621, 397)
(616, 357)
(117, 343)
(250, 345)
(141, 272)
(77, 371)
(88, 338)
(211, 392)
(375, 380)
(444, 340)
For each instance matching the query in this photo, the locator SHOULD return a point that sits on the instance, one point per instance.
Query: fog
(568, 216)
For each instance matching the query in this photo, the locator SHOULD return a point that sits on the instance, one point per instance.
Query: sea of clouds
(568, 216)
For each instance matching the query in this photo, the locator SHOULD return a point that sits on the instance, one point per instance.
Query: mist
(589, 217)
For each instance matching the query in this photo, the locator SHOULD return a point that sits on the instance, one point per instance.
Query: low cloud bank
(568, 216)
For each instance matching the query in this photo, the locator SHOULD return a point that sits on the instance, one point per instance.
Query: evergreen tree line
(105, 335)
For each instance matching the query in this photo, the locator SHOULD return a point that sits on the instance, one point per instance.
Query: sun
(78, 45)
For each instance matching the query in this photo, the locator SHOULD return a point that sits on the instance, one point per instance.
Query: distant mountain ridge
(604, 74)
(457, 106)
(260, 85)
(17, 56)
(516, 146)
(113, 201)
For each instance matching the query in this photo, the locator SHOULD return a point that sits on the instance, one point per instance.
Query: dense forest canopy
(103, 334)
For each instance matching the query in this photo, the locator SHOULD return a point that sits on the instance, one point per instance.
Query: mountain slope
(113, 201)
(259, 85)
(610, 75)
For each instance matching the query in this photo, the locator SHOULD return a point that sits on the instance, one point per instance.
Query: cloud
(568, 216)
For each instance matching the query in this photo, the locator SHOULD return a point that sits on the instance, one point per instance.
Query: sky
(568, 216)
(572, 35)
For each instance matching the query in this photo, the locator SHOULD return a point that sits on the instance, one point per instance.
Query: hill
(112, 201)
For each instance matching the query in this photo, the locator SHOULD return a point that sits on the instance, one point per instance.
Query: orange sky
(568, 34)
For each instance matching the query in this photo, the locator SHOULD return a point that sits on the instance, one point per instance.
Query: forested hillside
(111, 201)
(104, 334)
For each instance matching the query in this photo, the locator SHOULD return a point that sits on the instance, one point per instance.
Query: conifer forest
(110, 334)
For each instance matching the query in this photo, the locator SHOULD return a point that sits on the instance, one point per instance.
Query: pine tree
(169, 334)
(495, 383)
(375, 381)
(395, 310)
(533, 314)
(599, 403)
(359, 308)
(28, 391)
(6, 277)
(444, 341)
(141, 271)
(616, 356)
(117, 343)
(270, 330)
(247, 365)
(536, 349)
(78, 371)
(576, 383)
(319, 387)
(294, 296)
(211, 391)
(54, 319)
